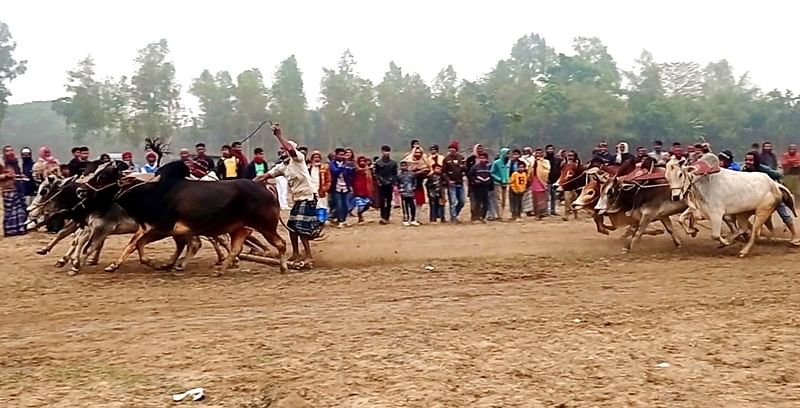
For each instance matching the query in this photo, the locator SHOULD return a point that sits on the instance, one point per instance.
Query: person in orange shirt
(518, 183)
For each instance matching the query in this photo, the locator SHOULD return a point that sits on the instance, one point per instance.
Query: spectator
(602, 155)
(105, 158)
(229, 166)
(77, 164)
(752, 164)
(658, 154)
(552, 179)
(407, 182)
(437, 191)
(362, 188)
(236, 151)
(767, 157)
(790, 161)
(726, 161)
(85, 153)
(201, 157)
(321, 183)
(258, 166)
(471, 160)
(435, 157)
(127, 158)
(454, 168)
(342, 174)
(500, 173)
(481, 183)
(152, 162)
(519, 185)
(29, 185)
(15, 215)
(184, 154)
(419, 165)
(641, 154)
(386, 174)
(539, 176)
(45, 165)
(677, 151)
(623, 154)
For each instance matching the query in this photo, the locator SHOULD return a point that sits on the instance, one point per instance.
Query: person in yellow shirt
(518, 183)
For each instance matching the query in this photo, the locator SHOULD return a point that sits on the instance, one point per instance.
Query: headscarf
(46, 156)
(417, 164)
(475, 149)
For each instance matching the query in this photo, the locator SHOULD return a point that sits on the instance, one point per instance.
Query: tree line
(536, 95)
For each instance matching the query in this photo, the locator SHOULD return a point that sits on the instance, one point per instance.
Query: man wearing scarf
(15, 214)
(236, 150)
(257, 167)
(152, 163)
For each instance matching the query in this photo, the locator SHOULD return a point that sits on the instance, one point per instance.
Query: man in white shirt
(303, 222)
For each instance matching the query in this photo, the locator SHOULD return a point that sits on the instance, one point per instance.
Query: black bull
(175, 206)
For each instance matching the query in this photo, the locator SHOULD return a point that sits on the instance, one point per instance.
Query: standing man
(303, 223)
(152, 163)
(184, 154)
(229, 167)
(386, 172)
(455, 168)
(127, 157)
(201, 157)
(342, 174)
(752, 164)
(257, 167)
(791, 170)
(435, 157)
(15, 214)
(78, 162)
(767, 157)
(236, 150)
(552, 177)
(658, 154)
(500, 173)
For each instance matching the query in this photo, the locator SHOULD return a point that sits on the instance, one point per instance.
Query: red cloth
(362, 183)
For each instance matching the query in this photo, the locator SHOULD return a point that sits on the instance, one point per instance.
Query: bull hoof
(60, 263)
(604, 232)
(111, 268)
(42, 251)
(179, 268)
(72, 272)
(93, 263)
(626, 250)
(164, 267)
(742, 254)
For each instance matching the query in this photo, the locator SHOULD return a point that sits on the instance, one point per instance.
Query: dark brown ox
(175, 206)
(645, 197)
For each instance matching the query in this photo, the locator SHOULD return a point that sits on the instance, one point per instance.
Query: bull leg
(194, 246)
(740, 227)
(644, 221)
(279, 243)
(96, 258)
(71, 227)
(762, 214)
(255, 243)
(180, 245)
(96, 237)
(601, 228)
(129, 248)
(667, 223)
(237, 243)
(716, 229)
(83, 240)
(216, 245)
(73, 245)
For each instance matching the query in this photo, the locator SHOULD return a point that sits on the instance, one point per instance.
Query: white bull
(740, 194)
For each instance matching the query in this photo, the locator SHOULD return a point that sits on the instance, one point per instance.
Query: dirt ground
(537, 314)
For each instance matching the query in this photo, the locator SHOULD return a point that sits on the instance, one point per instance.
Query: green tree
(155, 95)
(215, 94)
(288, 99)
(250, 105)
(83, 108)
(348, 105)
(10, 68)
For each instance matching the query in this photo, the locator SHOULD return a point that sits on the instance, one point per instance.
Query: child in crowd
(481, 180)
(407, 184)
(437, 191)
(518, 185)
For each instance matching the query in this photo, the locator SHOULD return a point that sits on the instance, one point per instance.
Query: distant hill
(35, 124)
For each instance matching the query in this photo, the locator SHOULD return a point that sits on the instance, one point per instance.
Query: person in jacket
(200, 156)
(477, 149)
(229, 166)
(752, 163)
(321, 183)
(362, 188)
(127, 157)
(601, 154)
(407, 183)
(726, 161)
(518, 182)
(767, 156)
(236, 151)
(434, 156)
(436, 184)
(790, 161)
(258, 166)
(386, 171)
(455, 168)
(481, 183)
(500, 173)
(29, 185)
(152, 162)
(552, 179)
(15, 214)
(342, 174)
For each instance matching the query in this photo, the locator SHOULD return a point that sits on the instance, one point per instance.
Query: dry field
(537, 314)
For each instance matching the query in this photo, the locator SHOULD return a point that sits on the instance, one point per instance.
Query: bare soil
(536, 314)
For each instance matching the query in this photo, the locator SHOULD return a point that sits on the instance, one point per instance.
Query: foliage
(10, 68)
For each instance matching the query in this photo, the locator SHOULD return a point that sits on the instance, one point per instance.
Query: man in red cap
(455, 167)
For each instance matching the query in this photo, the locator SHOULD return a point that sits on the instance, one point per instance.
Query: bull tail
(788, 199)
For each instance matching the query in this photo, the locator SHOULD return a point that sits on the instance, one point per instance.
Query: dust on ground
(537, 314)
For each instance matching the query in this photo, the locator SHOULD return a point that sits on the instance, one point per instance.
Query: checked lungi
(303, 218)
(15, 213)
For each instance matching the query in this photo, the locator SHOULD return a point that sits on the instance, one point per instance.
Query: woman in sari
(15, 214)
(540, 171)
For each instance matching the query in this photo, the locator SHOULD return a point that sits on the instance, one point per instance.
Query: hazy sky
(422, 36)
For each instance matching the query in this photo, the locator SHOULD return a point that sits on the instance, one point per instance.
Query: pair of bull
(104, 201)
(635, 197)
